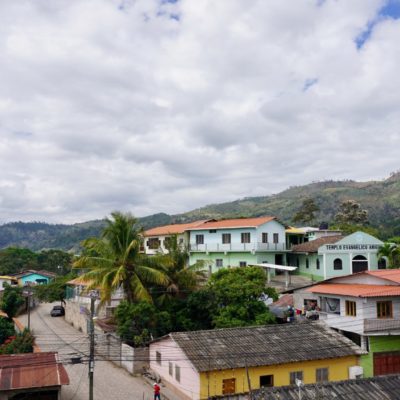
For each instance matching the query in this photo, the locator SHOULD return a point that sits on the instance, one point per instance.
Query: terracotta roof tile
(172, 229)
(389, 274)
(313, 245)
(355, 290)
(234, 223)
(23, 371)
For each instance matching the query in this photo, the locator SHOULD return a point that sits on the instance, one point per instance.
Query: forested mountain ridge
(380, 198)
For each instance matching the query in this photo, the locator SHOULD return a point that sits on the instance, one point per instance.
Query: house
(201, 364)
(238, 242)
(33, 376)
(33, 277)
(156, 239)
(366, 308)
(10, 280)
(77, 304)
(382, 388)
(334, 255)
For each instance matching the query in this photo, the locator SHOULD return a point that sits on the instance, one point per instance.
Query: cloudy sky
(165, 106)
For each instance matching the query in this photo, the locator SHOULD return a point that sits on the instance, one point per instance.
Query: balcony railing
(381, 324)
(238, 247)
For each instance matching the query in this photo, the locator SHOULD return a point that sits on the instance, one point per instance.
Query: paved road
(110, 381)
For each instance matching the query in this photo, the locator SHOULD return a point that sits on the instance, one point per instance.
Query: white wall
(170, 352)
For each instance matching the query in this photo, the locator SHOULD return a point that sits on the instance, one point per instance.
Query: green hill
(380, 198)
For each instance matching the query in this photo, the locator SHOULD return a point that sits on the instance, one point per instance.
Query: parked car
(57, 311)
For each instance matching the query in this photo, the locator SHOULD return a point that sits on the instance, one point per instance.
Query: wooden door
(229, 386)
(387, 363)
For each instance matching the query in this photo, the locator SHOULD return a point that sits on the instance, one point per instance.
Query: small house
(202, 364)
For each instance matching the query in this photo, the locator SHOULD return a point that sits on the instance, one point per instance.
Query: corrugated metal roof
(234, 223)
(172, 229)
(31, 370)
(355, 290)
(221, 349)
(377, 388)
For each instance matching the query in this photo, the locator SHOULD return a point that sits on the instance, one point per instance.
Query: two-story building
(156, 239)
(203, 364)
(333, 255)
(366, 308)
(238, 242)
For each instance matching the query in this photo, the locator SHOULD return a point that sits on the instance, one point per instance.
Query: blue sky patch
(309, 83)
(391, 9)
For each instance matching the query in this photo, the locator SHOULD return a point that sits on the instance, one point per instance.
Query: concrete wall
(77, 315)
(171, 357)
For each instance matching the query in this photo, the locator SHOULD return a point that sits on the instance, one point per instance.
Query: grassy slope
(380, 198)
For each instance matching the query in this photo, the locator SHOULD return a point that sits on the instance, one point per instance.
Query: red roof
(355, 290)
(172, 229)
(235, 223)
(31, 370)
(389, 274)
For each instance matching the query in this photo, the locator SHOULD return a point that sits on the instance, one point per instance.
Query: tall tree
(12, 300)
(183, 278)
(306, 213)
(351, 213)
(115, 261)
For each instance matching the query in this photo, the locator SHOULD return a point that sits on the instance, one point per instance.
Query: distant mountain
(380, 198)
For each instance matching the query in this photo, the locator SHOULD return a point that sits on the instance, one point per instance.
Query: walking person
(157, 392)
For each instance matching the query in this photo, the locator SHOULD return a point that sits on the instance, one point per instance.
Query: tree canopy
(306, 213)
(12, 300)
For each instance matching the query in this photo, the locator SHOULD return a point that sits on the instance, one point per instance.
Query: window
(295, 375)
(226, 238)
(381, 263)
(321, 375)
(212, 231)
(228, 386)
(297, 262)
(307, 263)
(170, 368)
(384, 309)
(242, 263)
(264, 237)
(266, 380)
(177, 373)
(337, 264)
(199, 239)
(317, 264)
(180, 240)
(330, 305)
(219, 262)
(167, 242)
(276, 237)
(245, 237)
(158, 357)
(351, 309)
(153, 243)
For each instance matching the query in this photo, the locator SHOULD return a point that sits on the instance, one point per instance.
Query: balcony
(250, 247)
(381, 325)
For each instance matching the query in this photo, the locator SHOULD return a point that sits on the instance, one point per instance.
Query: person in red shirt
(157, 392)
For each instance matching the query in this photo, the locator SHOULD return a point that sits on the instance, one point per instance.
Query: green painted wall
(232, 259)
(378, 344)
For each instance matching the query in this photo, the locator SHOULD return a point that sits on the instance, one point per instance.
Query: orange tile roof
(355, 290)
(172, 229)
(389, 274)
(235, 223)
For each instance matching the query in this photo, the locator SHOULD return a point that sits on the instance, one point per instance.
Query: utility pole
(29, 308)
(91, 334)
(248, 380)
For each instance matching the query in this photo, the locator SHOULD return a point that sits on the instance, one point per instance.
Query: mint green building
(238, 243)
(336, 255)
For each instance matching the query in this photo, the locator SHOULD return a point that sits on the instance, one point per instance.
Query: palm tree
(391, 251)
(114, 261)
(183, 278)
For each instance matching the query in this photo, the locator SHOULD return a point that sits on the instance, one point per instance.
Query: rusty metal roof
(31, 370)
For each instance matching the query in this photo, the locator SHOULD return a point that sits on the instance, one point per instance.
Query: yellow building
(201, 364)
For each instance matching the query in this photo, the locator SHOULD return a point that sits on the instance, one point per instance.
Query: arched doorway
(359, 264)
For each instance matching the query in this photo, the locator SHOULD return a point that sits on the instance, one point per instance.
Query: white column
(351, 262)
(324, 264)
(369, 263)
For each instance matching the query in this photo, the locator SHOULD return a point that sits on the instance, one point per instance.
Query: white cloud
(150, 106)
